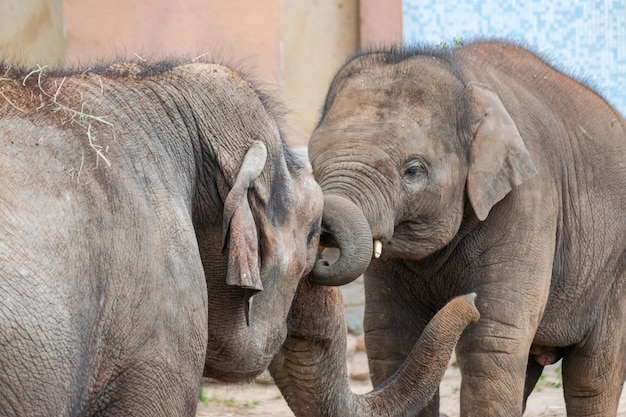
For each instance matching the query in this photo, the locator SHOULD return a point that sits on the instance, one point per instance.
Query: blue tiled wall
(586, 38)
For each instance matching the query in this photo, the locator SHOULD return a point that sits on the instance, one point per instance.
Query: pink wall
(381, 22)
(232, 29)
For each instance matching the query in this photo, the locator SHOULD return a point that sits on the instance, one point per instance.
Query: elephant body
(153, 224)
(483, 169)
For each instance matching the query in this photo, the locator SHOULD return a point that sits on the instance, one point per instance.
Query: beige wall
(31, 32)
(293, 47)
(317, 37)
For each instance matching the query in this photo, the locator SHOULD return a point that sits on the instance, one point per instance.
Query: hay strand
(82, 117)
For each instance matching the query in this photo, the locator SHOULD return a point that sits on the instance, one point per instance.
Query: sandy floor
(265, 400)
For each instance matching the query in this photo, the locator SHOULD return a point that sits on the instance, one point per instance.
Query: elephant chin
(238, 351)
(344, 224)
(239, 368)
(230, 377)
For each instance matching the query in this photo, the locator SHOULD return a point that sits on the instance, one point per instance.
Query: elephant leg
(493, 355)
(594, 371)
(591, 386)
(148, 390)
(533, 373)
(493, 378)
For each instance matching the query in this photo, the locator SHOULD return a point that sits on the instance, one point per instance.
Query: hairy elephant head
(409, 141)
(267, 236)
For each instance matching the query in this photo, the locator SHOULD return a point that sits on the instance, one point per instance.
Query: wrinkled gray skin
(121, 279)
(315, 349)
(482, 169)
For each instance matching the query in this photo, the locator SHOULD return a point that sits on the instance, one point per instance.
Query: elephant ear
(238, 228)
(499, 159)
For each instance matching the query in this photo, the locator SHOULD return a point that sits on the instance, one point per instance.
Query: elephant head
(409, 141)
(310, 368)
(267, 236)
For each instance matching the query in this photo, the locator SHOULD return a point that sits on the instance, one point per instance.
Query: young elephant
(483, 169)
(152, 224)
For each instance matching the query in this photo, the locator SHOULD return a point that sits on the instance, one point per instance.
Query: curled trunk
(310, 368)
(345, 225)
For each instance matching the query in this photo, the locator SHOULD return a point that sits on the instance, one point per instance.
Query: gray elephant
(483, 169)
(152, 224)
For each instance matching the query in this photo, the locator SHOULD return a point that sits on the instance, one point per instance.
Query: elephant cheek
(439, 223)
(288, 261)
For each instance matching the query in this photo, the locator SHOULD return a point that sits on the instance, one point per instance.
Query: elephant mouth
(238, 351)
(327, 241)
(236, 368)
(410, 240)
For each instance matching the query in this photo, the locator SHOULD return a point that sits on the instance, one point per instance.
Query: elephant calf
(483, 169)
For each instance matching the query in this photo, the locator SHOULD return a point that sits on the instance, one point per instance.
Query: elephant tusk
(248, 310)
(378, 248)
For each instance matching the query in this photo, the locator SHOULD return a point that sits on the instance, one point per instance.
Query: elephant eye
(415, 170)
(314, 231)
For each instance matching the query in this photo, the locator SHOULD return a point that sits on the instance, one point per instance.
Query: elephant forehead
(370, 101)
(380, 113)
(353, 162)
(309, 198)
(399, 135)
(415, 81)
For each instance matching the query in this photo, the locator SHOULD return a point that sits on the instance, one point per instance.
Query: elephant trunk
(344, 224)
(310, 368)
